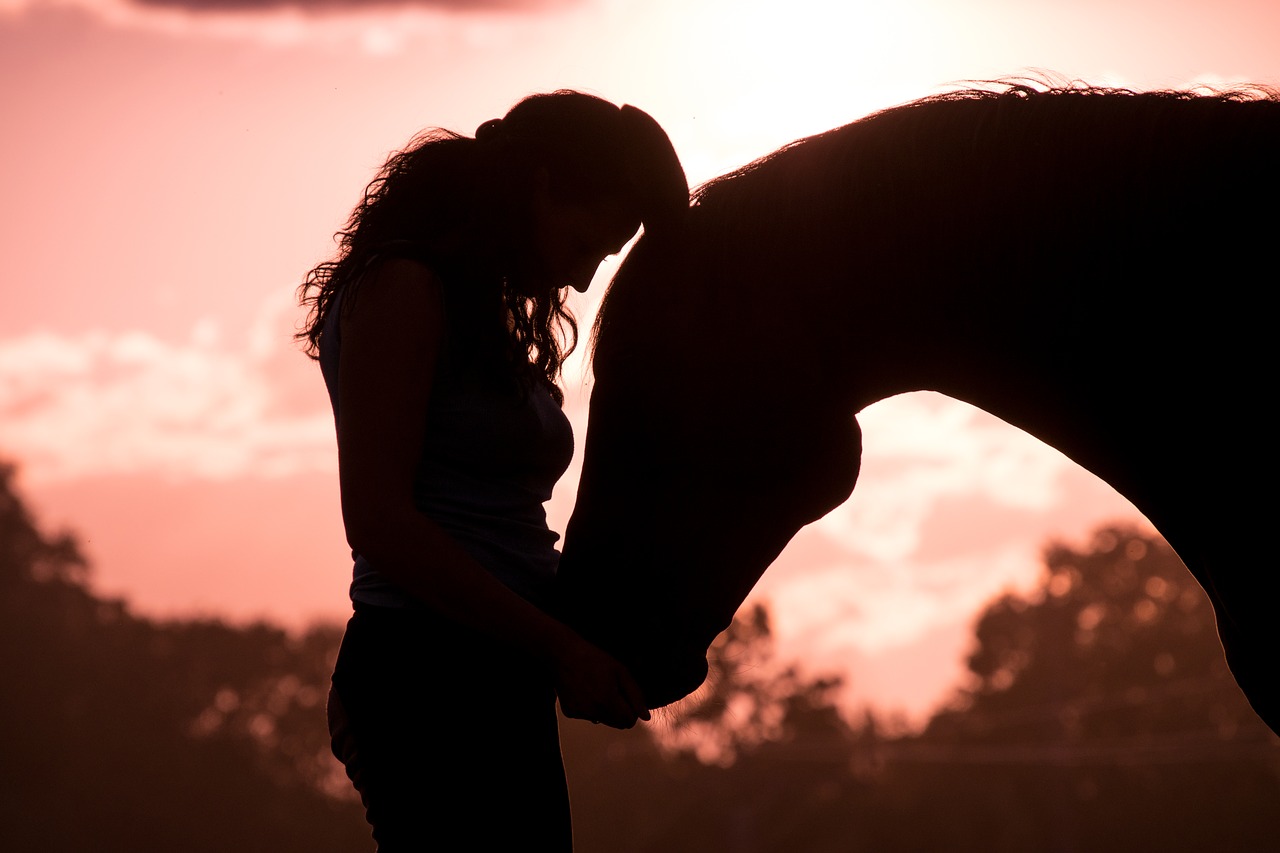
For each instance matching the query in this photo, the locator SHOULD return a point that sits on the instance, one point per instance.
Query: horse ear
(654, 172)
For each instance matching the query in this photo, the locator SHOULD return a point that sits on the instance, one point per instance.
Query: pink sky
(169, 175)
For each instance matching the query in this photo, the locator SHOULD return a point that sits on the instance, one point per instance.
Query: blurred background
(172, 168)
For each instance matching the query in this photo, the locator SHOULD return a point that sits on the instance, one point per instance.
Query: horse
(1083, 263)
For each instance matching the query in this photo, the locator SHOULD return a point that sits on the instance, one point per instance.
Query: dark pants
(450, 738)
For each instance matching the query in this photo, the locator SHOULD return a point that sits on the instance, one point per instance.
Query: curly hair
(463, 206)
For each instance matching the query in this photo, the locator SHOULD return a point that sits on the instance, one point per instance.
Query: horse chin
(666, 670)
(672, 682)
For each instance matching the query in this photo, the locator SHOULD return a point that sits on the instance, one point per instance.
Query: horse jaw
(664, 648)
(657, 602)
(652, 572)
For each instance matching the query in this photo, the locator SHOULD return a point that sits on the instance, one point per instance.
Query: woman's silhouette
(438, 328)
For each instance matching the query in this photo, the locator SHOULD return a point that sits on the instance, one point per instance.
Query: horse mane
(789, 197)
(1004, 96)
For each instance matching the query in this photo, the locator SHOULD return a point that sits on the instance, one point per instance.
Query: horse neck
(952, 249)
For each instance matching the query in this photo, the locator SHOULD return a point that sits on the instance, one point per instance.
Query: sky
(172, 168)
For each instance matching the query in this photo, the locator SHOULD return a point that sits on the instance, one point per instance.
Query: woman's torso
(493, 449)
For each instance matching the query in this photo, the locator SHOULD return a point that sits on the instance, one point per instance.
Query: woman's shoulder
(399, 278)
(394, 295)
(400, 262)
(402, 272)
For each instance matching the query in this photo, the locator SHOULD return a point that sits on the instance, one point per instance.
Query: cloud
(125, 403)
(115, 9)
(341, 6)
(953, 507)
(923, 449)
(374, 27)
(839, 604)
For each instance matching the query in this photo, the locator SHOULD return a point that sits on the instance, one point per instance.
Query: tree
(129, 734)
(749, 763)
(1118, 641)
(1101, 716)
(750, 699)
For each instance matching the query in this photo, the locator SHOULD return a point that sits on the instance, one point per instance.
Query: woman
(438, 329)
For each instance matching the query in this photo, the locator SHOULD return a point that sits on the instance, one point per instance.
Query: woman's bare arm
(391, 340)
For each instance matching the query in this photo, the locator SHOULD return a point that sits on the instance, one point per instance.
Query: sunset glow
(170, 173)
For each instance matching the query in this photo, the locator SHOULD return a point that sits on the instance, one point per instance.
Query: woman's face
(570, 239)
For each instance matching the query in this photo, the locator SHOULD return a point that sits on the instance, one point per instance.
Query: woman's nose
(582, 274)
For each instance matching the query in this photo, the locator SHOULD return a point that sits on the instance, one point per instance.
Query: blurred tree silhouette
(127, 734)
(1118, 640)
(1100, 717)
(744, 759)
(750, 699)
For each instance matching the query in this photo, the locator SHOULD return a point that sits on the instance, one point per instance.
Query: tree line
(1098, 715)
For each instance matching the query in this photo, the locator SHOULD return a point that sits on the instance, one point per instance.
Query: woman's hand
(591, 685)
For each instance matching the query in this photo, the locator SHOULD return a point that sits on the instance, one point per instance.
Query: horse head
(733, 351)
(693, 480)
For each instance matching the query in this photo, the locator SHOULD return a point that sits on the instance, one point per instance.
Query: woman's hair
(463, 206)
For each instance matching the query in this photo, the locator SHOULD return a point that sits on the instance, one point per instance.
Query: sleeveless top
(491, 453)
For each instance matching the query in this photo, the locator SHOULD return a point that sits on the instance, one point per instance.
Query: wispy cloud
(952, 508)
(924, 449)
(110, 8)
(340, 6)
(375, 27)
(118, 403)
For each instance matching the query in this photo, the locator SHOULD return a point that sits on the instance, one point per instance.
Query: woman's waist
(521, 554)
